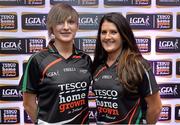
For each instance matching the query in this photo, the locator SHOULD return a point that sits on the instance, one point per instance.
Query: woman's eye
(103, 32)
(71, 21)
(113, 32)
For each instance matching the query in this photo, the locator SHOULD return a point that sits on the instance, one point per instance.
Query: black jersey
(61, 85)
(115, 105)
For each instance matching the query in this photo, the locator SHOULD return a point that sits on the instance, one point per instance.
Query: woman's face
(65, 31)
(110, 38)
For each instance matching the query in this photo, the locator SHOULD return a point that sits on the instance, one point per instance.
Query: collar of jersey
(53, 49)
(115, 63)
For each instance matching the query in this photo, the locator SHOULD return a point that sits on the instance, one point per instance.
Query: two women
(56, 81)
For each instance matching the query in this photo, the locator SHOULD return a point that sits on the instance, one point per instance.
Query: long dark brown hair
(131, 64)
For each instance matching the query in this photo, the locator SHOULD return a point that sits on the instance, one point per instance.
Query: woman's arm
(30, 105)
(153, 108)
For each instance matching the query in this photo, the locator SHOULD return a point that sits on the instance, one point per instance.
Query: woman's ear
(52, 36)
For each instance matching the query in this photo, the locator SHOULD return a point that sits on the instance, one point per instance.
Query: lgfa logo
(51, 74)
(11, 93)
(12, 45)
(89, 20)
(140, 20)
(168, 44)
(169, 90)
(35, 20)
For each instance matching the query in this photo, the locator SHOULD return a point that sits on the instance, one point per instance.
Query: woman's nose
(66, 25)
(107, 36)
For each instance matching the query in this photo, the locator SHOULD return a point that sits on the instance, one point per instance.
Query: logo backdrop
(156, 25)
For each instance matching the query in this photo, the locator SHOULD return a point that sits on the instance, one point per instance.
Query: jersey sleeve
(31, 77)
(149, 85)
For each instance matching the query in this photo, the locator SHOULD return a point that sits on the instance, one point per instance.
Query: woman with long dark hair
(125, 88)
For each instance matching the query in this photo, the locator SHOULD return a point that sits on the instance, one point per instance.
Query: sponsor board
(178, 22)
(168, 44)
(92, 103)
(91, 96)
(22, 45)
(89, 21)
(92, 115)
(178, 68)
(27, 118)
(9, 69)
(127, 3)
(169, 90)
(32, 3)
(9, 115)
(142, 21)
(33, 21)
(177, 113)
(168, 2)
(144, 44)
(87, 3)
(10, 93)
(8, 22)
(86, 44)
(162, 67)
(165, 115)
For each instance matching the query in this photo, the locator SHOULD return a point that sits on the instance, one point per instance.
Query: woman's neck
(64, 49)
(112, 57)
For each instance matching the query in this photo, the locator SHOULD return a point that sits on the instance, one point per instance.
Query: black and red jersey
(116, 105)
(61, 85)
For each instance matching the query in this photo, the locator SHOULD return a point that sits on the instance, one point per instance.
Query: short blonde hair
(59, 13)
